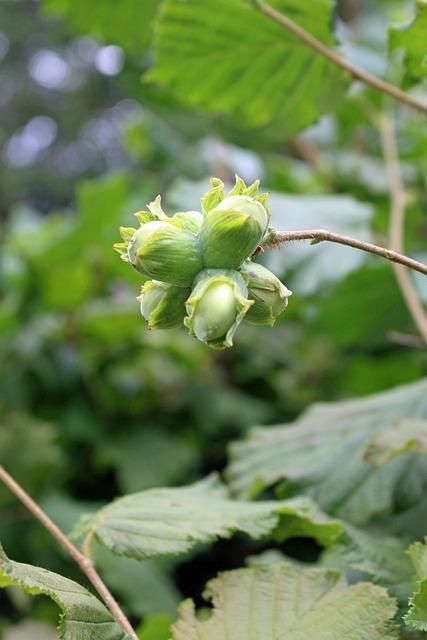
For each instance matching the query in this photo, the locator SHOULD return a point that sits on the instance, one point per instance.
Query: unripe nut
(162, 304)
(216, 306)
(248, 205)
(166, 252)
(268, 292)
(232, 231)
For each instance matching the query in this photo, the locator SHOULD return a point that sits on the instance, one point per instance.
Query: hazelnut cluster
(197, 265)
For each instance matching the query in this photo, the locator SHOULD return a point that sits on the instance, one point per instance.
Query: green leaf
(361, 554)
(286, 601)
(408, 435)
(381, 557)
(226, 56)
(416, 617)
(323, 451)
(84, 617)
(126, 578)
(171, 521)
(123, 23)
(412, 38)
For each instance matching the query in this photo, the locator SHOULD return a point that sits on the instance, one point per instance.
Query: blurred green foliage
(92, 405)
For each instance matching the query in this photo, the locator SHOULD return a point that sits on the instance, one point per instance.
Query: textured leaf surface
(382, 558)
(126, 578)
(323, 451)
(170, 521)
(226, 56)
(124, 23)
(291, 603)
(417, 614)
(408, 435)
(84, 616)
(412, 38)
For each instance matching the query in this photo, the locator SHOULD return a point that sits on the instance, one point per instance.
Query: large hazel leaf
(165, 521)
(324, 452)
(226, 56)
(171, 521)
(412, 38)
(291, 603)
(84, 617)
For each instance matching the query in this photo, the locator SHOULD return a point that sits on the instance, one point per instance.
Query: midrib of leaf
(297, 599)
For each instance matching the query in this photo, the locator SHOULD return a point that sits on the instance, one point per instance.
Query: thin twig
(406, 340)
(360, 74)
(84, 563)
(275, 238)
(397, 222)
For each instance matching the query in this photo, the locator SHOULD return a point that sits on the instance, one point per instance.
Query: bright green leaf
(286, 601)
(171, 521)
(323, 451)
(226, 56)
(412, 38)
(84, 617)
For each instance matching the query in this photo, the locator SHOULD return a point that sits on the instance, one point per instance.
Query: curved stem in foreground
(84, 563)
(319, 235)
(397, 222)
(360, 74)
